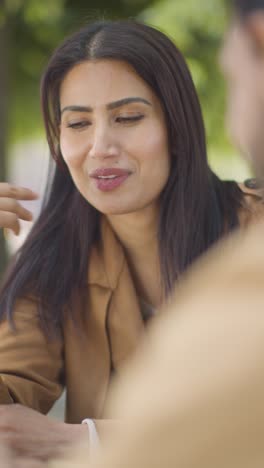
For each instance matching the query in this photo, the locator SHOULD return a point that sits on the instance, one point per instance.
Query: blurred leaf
(49, 11)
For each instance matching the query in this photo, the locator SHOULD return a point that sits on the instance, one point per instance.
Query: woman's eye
(78, 125)
(129, 119)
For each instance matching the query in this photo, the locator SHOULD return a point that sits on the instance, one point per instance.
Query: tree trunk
(4, 66)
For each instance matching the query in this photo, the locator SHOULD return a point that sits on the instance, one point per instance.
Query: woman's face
(113, 137)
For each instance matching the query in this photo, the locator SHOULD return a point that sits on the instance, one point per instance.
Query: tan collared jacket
(33, 371)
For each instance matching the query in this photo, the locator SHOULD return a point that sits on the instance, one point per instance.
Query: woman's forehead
(102, 82)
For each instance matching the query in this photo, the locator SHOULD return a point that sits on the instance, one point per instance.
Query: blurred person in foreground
(194, 396)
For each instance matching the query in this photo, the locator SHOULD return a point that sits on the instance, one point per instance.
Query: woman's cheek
(73, 153)
(160, 142)
(148, 145)
(156, 138)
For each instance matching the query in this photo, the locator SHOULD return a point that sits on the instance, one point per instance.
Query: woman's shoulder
(252, 207)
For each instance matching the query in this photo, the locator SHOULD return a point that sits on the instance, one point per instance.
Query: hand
(10, 209)
(8, 460)
(29, 434)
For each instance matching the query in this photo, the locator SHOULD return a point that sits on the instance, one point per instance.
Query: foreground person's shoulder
(252, 208)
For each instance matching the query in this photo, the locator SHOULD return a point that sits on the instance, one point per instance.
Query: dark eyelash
(77, 125)
(82, 124)
(134, 118)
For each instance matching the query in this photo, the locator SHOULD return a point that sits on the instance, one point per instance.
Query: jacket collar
(107, 258)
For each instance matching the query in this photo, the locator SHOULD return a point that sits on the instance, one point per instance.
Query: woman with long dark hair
(130, 203)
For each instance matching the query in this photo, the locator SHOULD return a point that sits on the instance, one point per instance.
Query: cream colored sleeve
(193, 396)
(30, 365)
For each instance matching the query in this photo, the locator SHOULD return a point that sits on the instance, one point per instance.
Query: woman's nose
(103, 144)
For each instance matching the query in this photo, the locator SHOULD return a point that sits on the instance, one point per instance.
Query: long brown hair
(195, 205)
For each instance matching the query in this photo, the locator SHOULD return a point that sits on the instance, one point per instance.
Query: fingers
(17, 193)
(10, 221)
(11, 211)
(26, 463)
(10, 460)
(12, 206)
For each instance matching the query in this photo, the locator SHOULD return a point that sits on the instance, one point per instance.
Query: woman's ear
(255, 26)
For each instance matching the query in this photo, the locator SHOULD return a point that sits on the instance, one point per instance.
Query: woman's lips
(107, 179)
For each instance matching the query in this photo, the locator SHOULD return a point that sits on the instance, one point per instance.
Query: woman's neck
(138, 233)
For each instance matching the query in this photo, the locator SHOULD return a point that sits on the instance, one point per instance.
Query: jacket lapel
(124, 324)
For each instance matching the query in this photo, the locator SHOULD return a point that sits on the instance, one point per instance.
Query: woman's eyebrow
(128, 100)
(110, 106)
(77, 109)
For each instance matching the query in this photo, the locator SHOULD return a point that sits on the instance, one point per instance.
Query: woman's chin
(115, 209)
